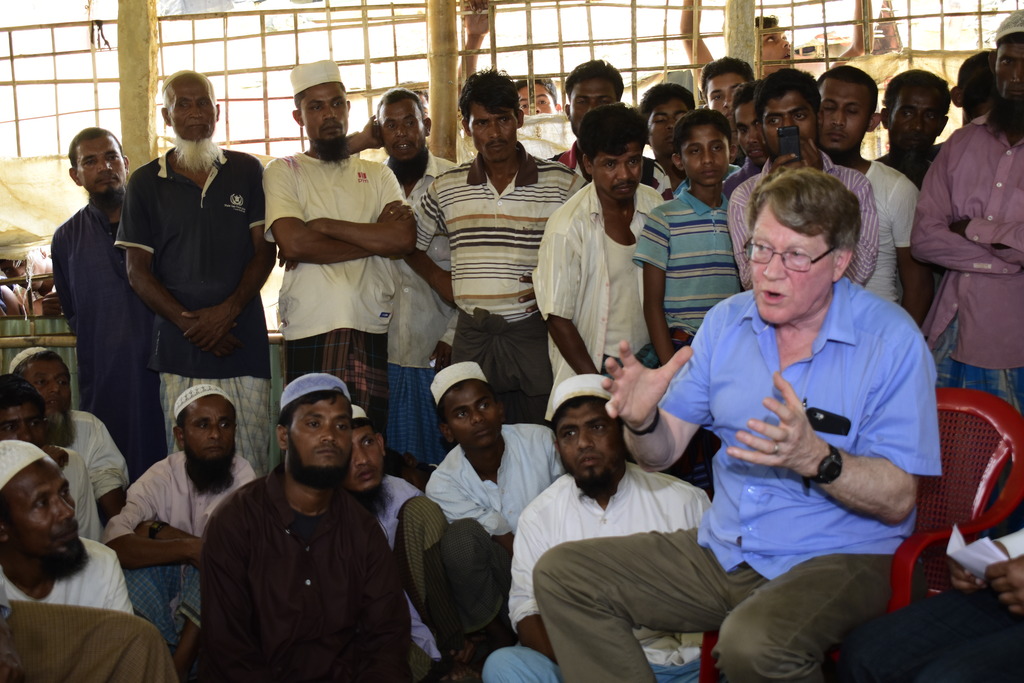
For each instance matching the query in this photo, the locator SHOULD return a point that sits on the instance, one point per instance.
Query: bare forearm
(111, 502)
(570, 344)
(439, 279)
(660, 448)
(383, 239)
(135, 551)
(534, 635)
(152, 291)
(874, 487)
(298, 243)
(918, 285)
(255, 274)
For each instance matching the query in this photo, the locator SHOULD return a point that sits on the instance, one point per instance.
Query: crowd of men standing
(533, 328)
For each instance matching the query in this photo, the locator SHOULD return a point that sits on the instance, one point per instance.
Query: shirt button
(999, 184)
(1009, 152)
(1006, 270)
(967, 274)
(975, 238)
(990, 217)
(405, 289)
(308, 582)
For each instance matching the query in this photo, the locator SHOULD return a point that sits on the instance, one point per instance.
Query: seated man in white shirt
(41, 556)
(601, 495)
(158, 536)
(78, 430)
(23, 417)
(482, 486)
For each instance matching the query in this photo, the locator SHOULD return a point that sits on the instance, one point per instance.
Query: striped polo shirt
(690, 241)
(494, 237)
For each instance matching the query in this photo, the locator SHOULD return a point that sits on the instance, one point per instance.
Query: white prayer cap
(307, 75)
(1011, 24)
(196, 392)
(27, 353)
(579, 385)
(312, 382)
(358, 413)
(16, 456)
(452, 375)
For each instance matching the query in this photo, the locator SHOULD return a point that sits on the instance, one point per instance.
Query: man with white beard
(192, 229)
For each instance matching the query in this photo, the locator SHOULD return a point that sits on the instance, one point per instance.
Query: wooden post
(136, 61)
(740, 33)
(443, 56)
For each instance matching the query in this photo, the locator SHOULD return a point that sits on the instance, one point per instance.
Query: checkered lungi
(165, 595)
(360, 359)
(1007, 384)
(412, 417)
(251, 398)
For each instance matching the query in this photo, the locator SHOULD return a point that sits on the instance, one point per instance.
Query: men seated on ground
(749, 137)
(785, 99)
(340, 219)
(590, 85)
(112, 325)
(600, 496)
(969, 222)
(916, 108)
(810, 502)
(684, 249)
(587, 286)
(298, 581)
(158, 536)
(192, 231)
(662, 105)
(75, 429)
(970, 634)
(422, 324)
(545, 96)
(482, 487)
(23, 417)
(42, 557)
(849, 98)
(398, 505)
(494, 210)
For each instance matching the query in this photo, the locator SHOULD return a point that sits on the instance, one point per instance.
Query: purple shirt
(978, 176)
(864, 256)
(748, 170)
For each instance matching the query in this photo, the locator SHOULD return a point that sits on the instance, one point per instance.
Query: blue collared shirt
(869, 364)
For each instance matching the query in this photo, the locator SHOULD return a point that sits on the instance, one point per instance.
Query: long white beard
(195, 156)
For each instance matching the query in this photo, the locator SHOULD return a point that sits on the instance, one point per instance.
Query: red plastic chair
(979, 435)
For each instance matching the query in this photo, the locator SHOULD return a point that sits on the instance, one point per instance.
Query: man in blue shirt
(815, 484)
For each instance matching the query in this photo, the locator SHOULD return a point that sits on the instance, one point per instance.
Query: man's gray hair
(168, 94)
(810, 202)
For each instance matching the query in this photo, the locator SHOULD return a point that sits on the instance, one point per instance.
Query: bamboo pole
(136, 61)
(741, 36)
(443, 56)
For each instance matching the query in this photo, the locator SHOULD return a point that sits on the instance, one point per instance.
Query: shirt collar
(285, 513)
(699, 207)
(527, 174)
(837, 326)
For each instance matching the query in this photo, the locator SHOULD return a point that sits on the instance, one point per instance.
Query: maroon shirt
(276, 608)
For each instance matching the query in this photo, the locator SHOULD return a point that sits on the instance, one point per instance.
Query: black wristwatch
(830, 468)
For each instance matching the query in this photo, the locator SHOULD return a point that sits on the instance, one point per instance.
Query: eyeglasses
(791, 260)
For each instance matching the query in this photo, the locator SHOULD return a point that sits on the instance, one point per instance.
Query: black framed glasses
(791, 260)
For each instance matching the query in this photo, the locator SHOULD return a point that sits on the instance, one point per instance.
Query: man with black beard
(78, 430)
(422, 323)
(969, 221)
(41, 555)
(338, 221)
(192, 231)
(158, 536)
(299, 583)
(915, 112)
(600, 495)
(112, 325)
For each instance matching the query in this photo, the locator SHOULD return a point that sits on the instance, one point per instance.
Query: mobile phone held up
(789, 141)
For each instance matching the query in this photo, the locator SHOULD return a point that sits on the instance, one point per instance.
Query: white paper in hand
(975, 557)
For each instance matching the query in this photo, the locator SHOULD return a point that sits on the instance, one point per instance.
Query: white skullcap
(16, 361)
(310, 383)
(16, 456)
(196, 392)
(453, 374)
(307, 75)
(358, 413)
(1011, 24)
(579, 385)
